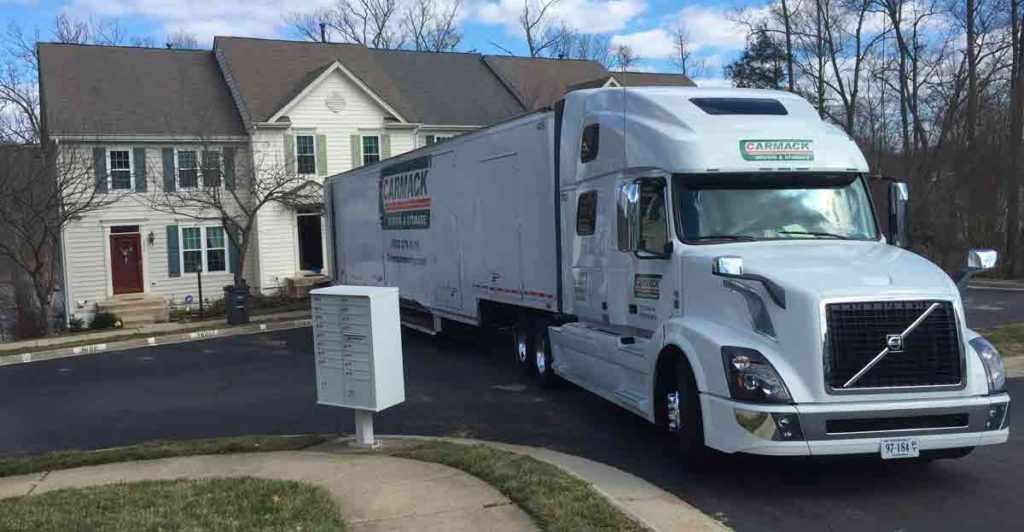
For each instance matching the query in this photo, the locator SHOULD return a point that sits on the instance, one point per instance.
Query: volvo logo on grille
(894, 342)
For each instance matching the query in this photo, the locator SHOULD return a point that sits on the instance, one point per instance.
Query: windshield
(729, 207)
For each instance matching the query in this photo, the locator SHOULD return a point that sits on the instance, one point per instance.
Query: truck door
(652, 291)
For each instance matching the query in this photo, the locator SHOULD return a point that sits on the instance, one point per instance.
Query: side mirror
(978, 260)
(731, 267)
(899, 197)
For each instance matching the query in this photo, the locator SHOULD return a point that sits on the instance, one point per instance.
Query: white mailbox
(358, 344)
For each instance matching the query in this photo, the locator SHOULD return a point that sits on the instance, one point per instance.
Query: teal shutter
(139, 160)
(233, 251)
(169, 178)
(289, 155)
(321, 155)
(229, 168)
(385, 146)
(173, 252)
(357, 151)
(99, 165)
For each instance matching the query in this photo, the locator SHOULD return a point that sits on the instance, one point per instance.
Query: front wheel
(682, 416)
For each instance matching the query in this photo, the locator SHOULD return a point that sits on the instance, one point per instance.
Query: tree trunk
(1014, 178)
(789, 45)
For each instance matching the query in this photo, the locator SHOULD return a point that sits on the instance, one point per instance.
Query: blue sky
(645, 25)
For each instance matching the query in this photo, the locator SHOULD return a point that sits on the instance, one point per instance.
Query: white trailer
(707, 259)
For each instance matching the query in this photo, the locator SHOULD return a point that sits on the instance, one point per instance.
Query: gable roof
(104, 90)
(268, 74)
(538, 82)
(636, 79)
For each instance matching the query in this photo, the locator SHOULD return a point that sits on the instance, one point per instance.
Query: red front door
(126, 263)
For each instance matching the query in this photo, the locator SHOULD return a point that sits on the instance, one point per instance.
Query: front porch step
(136, 309)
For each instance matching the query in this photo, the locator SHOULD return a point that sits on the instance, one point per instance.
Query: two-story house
(149, 121)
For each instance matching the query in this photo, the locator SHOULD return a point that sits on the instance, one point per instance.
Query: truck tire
(689, 435)
(543, 359)
(522, 345)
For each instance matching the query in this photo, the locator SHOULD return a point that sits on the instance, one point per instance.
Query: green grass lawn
(556, 500)
(222, 504)
(1008, 339)
(23, 465)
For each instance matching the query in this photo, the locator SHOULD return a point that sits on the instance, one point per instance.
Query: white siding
(278, 243)
(87, 251)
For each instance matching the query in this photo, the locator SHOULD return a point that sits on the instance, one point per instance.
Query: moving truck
(708, 259)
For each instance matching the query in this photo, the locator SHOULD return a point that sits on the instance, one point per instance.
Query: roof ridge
(125, 47)
(501, 56)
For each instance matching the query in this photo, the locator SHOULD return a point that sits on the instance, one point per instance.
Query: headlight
(993, 364)
(752, 378)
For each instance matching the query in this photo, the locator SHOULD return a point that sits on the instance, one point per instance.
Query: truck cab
(727, 278)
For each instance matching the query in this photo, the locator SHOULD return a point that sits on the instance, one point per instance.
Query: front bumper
(857, 428)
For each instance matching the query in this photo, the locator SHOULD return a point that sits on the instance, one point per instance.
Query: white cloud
(713, 83)
(590, 16)
(651, 44)
(204, 18)
(713, 27)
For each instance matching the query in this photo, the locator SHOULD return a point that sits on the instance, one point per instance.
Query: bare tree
(683, 57)
(432, 28)
(539, 28)
(42, 190)
(183, 40)
(231, 186)
(624, 58)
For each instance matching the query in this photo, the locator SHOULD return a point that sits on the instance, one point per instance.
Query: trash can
(236, 303)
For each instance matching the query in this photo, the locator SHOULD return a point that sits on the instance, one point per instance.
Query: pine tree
(762, 65)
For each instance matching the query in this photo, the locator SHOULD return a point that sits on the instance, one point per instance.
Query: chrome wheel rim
(542, 359)
(521, 347)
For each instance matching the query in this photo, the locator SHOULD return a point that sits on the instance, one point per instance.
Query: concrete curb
(155, 340)
(652, 506)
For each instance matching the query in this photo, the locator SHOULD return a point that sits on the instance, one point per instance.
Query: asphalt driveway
(264, 384)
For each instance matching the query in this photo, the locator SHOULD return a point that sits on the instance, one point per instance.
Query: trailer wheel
(680, 415)
(523, 345)
(543, 358)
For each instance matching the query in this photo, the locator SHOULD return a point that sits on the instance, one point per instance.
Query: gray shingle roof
(103, 90)
(539, 83)
(434, 88)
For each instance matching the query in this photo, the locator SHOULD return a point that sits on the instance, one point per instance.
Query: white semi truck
(708, 259)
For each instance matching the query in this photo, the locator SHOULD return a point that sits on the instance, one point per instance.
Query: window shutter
(139, 160)
(430, 140)
(229, 167)
(321, 155)
(173, 253)
(385, 146)
(99, 164)
(169, 177)
(357, 151)
(289, 155)
(232, 251)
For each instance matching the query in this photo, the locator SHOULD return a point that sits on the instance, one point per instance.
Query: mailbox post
(357, 339)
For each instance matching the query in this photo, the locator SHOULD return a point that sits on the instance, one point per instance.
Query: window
(589, 144)
(188, 169)
(371, 149)
(434, 139)
(586, 213)
(653, 218)
(305, 154)
(119, 163)
(211, 169)
(205, 248)
(740, 106)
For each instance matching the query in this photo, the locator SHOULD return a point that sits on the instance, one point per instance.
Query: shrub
(76, 324)
(104, 320)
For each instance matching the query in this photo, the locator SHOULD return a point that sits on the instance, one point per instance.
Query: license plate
(899, 448)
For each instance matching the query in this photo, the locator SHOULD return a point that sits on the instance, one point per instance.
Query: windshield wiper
(814, 233)
(744, 238)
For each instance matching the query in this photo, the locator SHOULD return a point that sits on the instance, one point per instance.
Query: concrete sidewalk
(375, 492)
(143, 336)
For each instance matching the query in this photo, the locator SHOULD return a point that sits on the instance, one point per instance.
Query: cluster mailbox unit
(357, 339)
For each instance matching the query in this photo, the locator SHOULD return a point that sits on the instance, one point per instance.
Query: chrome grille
(857, 333)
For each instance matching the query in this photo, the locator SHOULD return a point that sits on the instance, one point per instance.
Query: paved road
(264, 384)
(993, 305)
